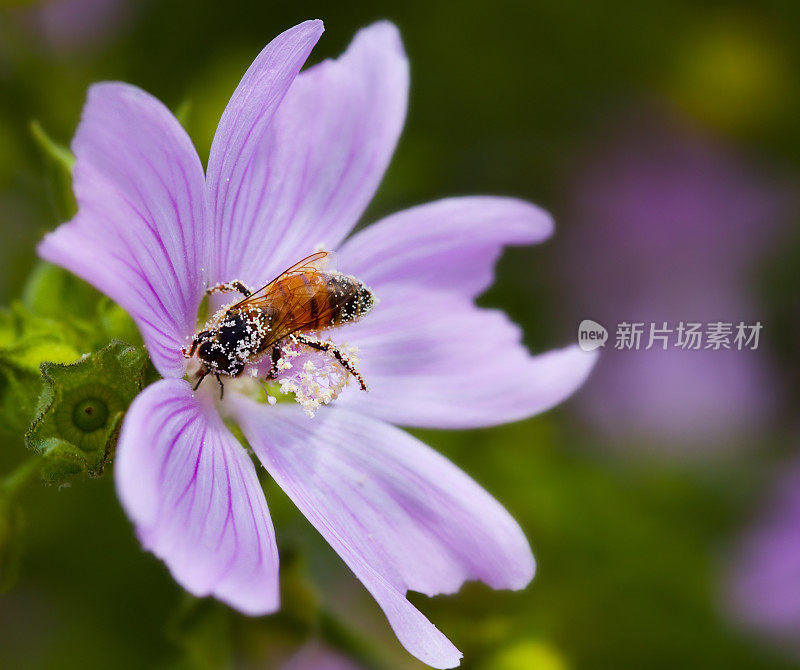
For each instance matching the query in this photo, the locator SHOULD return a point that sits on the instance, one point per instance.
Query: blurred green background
(634, 539)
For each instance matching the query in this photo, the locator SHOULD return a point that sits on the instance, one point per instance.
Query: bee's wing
(316, 262)
(298, 299)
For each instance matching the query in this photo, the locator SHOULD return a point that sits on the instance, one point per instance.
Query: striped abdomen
(305, 302)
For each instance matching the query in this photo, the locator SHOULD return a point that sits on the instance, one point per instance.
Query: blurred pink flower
(667, 226)
(315, 656)
(77, 24)
(294, 163)
(763, 582)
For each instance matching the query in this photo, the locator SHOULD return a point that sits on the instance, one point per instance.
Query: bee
(303, 299)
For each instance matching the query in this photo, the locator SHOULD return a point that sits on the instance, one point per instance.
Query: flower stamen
(314, 374)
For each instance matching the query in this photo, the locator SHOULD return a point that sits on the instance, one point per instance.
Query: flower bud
(81, 408)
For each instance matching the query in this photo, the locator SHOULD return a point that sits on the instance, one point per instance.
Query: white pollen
(314, 377)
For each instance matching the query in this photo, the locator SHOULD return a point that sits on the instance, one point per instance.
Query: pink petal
(192, 492)
(320, 161)
(139, 235)
(765, 567)
(434, 359)
(236, 164)
(400, 515)
(450, 244)
(429, 355)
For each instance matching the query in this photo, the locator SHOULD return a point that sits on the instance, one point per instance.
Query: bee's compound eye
(204, 350)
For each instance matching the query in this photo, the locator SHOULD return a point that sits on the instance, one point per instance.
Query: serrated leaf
(80, 410)
(19, 393)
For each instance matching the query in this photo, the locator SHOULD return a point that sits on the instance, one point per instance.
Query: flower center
(272, 334)
(85, 419)
(311, 377)
(314, 378)
(90, 414)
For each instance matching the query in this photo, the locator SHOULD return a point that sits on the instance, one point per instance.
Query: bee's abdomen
(349, 299)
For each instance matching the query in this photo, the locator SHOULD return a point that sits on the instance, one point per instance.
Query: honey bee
(301, 300)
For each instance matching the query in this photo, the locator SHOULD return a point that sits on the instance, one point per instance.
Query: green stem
(14, 482)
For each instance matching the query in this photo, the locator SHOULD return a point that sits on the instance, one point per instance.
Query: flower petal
(193, 494)
(236, 165)
(451, 244)
(139, 234)
(400, 515)
(433, 359)
(430, 357)
(766, 565)
(320, 161)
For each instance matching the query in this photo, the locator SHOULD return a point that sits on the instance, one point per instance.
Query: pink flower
(295, 160)
(72, 25)
(761, 581)
(315, 656)
(653, 183)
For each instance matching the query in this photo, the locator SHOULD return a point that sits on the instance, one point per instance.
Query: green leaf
(18, 398)
(57, 299)
(27, 340)
(60, 319)
(80, 410)
(53, 292)
(115, 323)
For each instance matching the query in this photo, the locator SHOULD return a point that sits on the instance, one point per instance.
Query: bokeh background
(662, 501)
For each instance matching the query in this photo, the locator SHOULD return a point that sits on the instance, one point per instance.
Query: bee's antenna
(200, 381)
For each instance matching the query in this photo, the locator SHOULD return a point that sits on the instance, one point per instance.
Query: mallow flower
(294, 162)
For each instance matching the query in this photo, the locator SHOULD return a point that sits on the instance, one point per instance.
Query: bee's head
(215, 357)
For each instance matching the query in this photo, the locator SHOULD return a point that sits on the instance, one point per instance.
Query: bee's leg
(227, 287)
(275, 356)
(200, 381)
(221, 386)
(330, 348)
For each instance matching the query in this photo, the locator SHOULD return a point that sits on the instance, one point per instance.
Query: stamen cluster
(313, 377)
